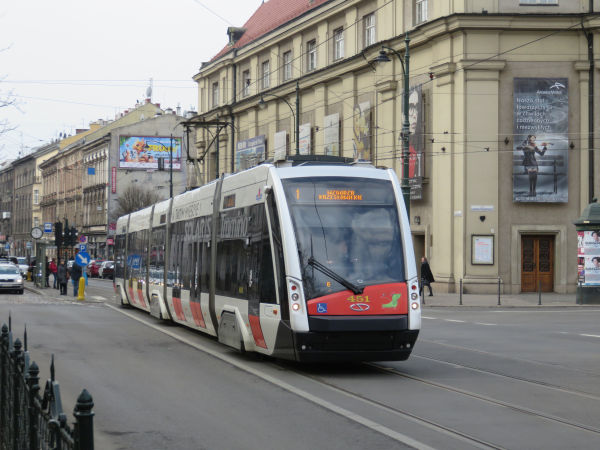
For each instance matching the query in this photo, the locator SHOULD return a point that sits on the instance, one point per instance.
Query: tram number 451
(358, 299)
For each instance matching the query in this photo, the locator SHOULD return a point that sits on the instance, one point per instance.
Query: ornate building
(502, 112)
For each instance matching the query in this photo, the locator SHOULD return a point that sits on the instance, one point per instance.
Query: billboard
(331, 134)
(143, 152)
(416, 143)
(361, 130)
(305, 143)
(250, 152)
(588, 257)
(280, 146)
(540, 146)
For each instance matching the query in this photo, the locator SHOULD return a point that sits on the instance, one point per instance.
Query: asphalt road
(478, 378)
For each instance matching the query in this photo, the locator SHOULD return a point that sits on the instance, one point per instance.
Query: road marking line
(454, 320)
(590, 335)
(487, 324)
(288, 387)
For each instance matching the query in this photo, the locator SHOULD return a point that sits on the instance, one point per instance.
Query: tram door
(537, 263)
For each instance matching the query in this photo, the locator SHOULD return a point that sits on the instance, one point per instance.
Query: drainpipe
(591, 163)
(231, 116)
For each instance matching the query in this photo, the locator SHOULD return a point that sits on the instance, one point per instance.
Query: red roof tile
(270, 15)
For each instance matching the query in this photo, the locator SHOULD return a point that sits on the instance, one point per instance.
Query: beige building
(63, 174)
(488, 201)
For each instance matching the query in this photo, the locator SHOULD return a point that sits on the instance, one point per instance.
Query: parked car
(11, 278)
(22, 263)
(107, 269)
(93, 267)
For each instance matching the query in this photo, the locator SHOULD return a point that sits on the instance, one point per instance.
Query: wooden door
(537, 263)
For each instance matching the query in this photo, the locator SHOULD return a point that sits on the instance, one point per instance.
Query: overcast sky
(70, 62)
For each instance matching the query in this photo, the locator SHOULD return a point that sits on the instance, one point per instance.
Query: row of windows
(244, 260)
(265, 70)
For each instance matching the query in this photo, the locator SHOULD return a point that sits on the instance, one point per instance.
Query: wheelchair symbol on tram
(322, 308)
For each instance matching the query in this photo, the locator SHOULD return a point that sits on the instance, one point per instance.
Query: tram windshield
(348, 233)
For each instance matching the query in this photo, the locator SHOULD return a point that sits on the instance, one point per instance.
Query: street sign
(7, 246)
(28, 244)
(47, 227)
(83, 239)
(82, 259)
(83, 247)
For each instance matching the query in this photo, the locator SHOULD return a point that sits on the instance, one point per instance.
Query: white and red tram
(310, 262)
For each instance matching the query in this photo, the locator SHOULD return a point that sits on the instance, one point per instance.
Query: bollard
(80, 292)
(539, 293)
(460, 292)
(498, 291)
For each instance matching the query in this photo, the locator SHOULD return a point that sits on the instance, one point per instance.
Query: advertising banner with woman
(540, 144)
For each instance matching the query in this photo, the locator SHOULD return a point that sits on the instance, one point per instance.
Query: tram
(305, 261)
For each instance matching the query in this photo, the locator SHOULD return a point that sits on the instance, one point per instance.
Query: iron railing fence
(28, 420)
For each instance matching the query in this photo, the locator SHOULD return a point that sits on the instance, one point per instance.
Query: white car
(11, 278)
(23, 265)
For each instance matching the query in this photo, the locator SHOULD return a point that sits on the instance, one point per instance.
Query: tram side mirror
(267, 190)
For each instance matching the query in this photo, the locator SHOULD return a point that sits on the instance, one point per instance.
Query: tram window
(205, 267)
(279, 269)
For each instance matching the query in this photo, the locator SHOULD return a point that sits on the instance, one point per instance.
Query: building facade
(502, 110)
(22, 219)
(125, 156)
(63, 174)
(6, 204)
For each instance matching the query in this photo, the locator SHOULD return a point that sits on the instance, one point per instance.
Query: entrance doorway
(419, 247)
(537, 263)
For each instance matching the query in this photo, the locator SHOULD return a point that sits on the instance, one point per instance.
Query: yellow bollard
(80, 292)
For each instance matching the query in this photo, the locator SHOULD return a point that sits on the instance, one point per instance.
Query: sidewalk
(55, 293)
(525, 300)
(528, 300)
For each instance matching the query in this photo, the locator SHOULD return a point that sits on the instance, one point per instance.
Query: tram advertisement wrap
(540, 144)
(588, 257)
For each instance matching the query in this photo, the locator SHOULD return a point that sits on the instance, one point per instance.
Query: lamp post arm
(395, 52)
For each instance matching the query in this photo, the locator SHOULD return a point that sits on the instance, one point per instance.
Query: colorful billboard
(143, 152)
(540, 146)
(588, 257)
(361, 127)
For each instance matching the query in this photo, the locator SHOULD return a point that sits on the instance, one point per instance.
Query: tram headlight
(296, 306)
(414, 296)
(414, 305)
(295, 296)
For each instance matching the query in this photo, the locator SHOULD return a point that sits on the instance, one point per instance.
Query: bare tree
(6, 99)
(133, 199)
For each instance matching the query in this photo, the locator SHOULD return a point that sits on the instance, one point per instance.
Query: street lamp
(383, 57)
(262, 105)
(170, 161)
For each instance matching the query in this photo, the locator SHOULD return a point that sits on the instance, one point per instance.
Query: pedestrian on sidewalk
(53, 271)
(62, 275)
(47, 282)
(426, 276)
(75, 276)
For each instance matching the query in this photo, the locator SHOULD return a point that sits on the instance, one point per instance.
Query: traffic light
(58, 234)
(70, 236)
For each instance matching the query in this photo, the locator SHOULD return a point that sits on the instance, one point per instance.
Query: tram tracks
(490, 400)
(461, 436)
